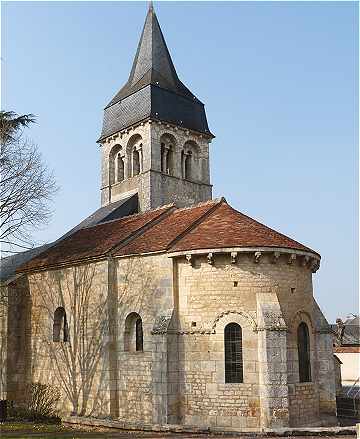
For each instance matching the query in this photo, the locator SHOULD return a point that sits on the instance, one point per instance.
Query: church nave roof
(210, 225)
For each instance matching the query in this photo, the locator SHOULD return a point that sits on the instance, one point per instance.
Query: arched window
(170, 161)
(188, 166)
(167, 154)
(60, 326)
(304, 353)
(167, 163)
(139, 335)
(120, 168)
(233, 353)
(190, 161)
(136, 162)
(163, 157)
(133, 337)
(114, 157)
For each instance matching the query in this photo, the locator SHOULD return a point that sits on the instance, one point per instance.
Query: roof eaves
(304, 247)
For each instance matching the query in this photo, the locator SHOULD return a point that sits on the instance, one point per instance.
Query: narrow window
(169, 161)
(163, 158)
(133, 335)
(304, 353)
(60, 326)
(120, 168)
(139, 335)
(183, 164)
(136, 162)
(233, 353)
(187, 166)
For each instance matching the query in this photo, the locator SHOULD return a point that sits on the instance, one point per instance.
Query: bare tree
(79, 365)
(75, 362)
(27, 186)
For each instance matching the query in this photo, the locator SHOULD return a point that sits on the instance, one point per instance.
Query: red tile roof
(161, 235)
(94, 241)
(347, 349)
(226, 227)
(209, 225)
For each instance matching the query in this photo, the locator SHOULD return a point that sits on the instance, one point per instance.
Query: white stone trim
(245, 250)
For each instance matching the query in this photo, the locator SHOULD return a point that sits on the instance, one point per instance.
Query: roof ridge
(217, 203)
(273, 230)
(202, 203)
(134, 215)
(169, 208)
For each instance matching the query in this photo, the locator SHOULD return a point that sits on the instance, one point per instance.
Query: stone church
(166, 306)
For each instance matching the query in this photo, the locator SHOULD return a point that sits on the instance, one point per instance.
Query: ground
(42, 431)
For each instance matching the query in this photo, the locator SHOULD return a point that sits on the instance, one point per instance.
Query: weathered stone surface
(155, 185)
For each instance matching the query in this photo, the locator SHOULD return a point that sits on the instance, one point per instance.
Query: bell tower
(155, 137)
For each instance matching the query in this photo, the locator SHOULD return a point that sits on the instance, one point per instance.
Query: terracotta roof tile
(162, 234)
(347, 349)
(93, 241)
(226, 227)
(209, 225)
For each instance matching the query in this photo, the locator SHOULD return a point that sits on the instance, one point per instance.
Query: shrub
(41, 405)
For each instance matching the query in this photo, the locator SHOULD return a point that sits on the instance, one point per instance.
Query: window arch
(133, 336)
(233, 354)
(303, 341)
(189, 161)
(60, 325)
(115, 165)
(167, 153)
(134, 154)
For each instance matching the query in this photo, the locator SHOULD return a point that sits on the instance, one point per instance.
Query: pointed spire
(154, 87)
(152, 63)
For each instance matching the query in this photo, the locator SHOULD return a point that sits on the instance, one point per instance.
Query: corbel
(210, 259)
(190, 260)
(276, 257)
(233, 256)
(305, 261)
(292, 258)
(257, 257)
(315, 264)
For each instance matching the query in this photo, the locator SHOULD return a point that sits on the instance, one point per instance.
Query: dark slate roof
(153, 89)
(119, 209)
(9, 264)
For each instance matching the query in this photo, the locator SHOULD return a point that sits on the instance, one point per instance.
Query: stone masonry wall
(212, 295)
(78, 367)
(303, 404)
(154, 187)
(144, 287)
(18, 356)
(185, 305)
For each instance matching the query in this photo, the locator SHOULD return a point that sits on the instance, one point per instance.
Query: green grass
(32, 426)
(22, 428)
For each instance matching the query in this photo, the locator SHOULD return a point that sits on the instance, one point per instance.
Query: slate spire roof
(153, 88)
(152, 63)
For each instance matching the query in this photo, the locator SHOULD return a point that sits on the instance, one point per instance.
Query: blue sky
(279, 81)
